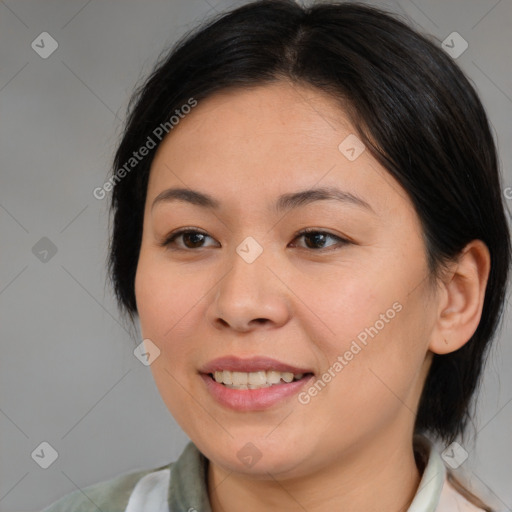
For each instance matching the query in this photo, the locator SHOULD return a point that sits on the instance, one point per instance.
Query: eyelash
(169, 240)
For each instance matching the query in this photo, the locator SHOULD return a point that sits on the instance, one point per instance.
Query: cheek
(348, 302)
(165, 296)
(165, 303)
(170, 303)
(378, 328)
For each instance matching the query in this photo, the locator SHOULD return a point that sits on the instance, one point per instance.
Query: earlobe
(464, 291)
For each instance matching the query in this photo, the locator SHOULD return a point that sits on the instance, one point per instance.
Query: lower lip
(253, 399)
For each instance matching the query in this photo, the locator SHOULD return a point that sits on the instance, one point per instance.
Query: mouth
(257, 379)
(253, 384)
(254, 391)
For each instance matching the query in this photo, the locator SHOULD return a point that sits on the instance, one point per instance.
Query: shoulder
(110, 495)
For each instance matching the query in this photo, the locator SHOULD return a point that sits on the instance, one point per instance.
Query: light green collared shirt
(181, 486)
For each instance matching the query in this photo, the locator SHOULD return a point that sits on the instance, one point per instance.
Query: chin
(257, 458)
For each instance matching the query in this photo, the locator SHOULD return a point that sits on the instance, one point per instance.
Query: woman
(309, 227)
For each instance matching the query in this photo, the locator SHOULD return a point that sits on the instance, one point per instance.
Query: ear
(461, 298)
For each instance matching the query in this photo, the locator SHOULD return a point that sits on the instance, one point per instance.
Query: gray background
(68, 375)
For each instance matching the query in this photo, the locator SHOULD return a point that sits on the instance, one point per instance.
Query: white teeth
(254, 380)
(273, 377)
(226, 377)
(242, 386)
(257, 386)
(239, 378)
(287, 377)
(257, 378)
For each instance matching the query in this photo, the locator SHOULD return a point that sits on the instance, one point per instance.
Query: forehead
(266, 113)
(268, 140)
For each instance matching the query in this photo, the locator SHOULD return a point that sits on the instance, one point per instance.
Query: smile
(254, 397)
(254, 380)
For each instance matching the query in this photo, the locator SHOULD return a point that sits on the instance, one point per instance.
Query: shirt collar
(431, 484)
(189, 479)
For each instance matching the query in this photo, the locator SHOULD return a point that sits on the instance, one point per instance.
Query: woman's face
(357, 314)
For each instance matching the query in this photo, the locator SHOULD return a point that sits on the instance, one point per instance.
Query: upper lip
(253, 364)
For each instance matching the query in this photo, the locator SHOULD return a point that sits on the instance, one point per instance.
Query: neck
(377, 476)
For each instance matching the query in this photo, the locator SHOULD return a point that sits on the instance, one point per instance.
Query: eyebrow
(284, 202)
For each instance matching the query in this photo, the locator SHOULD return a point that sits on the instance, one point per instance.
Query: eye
(192, 239)
(318, 238)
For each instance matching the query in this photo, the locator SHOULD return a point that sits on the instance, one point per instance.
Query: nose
(249, 296)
